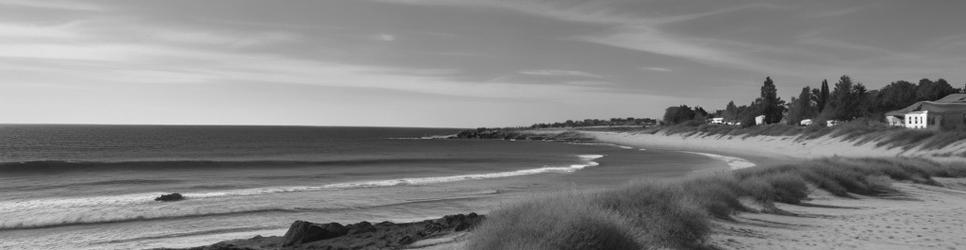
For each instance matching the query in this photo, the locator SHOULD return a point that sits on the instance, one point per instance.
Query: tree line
(629, 121)
(846, 100)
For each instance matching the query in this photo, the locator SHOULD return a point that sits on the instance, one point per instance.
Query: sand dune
(924, 217)
(771, 148)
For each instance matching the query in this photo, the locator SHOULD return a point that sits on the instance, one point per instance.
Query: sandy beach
(777, 149)
(923, 217)
(920, 217)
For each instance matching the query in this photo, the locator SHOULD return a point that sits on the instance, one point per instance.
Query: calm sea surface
(92, 187)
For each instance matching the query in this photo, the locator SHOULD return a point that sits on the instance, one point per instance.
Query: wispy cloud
(66, 5)
(658, 69)
(386, 37)
(560, 73)
(222, 38)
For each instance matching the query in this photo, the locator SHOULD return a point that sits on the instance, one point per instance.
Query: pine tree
(731, 112)
(823, 95)
(771, 104)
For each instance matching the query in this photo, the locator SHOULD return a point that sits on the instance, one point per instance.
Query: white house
(947, 113)
(895, 121)
(717, 120)
(806, 122)
(759, 120)
(832, 123)
(917, 119)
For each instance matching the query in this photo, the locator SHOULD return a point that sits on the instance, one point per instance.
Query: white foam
(139, 198)
(602, 144)
(733, 162)
(431, 137)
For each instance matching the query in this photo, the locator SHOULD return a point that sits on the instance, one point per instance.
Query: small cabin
(895, 121)
(832, 123)
(717, 120)
(759, 120)
(948, 113)
(918, 119)
(806, 122)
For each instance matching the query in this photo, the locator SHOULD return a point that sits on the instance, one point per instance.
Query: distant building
(948, 113)
(895, 121)
(806, 122)
(832, 123)
(917, 119)
(717, 120)
(759, 120)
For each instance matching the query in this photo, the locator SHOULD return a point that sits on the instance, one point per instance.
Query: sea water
(93, 187)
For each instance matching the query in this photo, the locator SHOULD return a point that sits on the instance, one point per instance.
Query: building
(806, 122)
(832, 123)
(895, 121)
(759, 120)
(717, 120)
(948, 113)
(917, 119)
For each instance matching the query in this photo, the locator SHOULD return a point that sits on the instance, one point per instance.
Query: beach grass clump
(678, 214)
(557, 222)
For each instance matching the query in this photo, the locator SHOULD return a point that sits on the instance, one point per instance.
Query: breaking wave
(733, 162)
(144, 201)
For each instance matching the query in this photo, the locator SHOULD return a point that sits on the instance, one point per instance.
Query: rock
(170, 197)
(360, 228)
(303, 231)
(461, 222)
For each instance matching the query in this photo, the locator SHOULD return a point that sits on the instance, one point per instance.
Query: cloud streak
(560, 73)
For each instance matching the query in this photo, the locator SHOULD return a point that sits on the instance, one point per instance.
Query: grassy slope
(677, 213)
(859, 131)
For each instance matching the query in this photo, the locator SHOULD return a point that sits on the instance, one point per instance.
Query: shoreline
(771, 150)
(735, 153)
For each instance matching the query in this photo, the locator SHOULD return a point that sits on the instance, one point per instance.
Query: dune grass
(859, 131)
(677, 214)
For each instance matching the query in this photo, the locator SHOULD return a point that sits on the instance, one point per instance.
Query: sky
(448, 63)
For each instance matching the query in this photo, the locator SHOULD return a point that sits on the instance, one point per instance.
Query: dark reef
(170, 197)
(362, 235)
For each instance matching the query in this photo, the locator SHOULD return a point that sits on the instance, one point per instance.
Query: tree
(896, 95)
(679, 114)
(731, 112)
(847, 101)
(931, 91)
(821, 97)
(700, 114)
(802, 107)
(771, 105)
(861, 103)
(839, 103)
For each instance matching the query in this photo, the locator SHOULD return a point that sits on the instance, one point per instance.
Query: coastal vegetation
(859, 131)
(847, 100)
(678, 214)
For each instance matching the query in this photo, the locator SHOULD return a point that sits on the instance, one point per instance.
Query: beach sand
(768, 150)
(921, 217)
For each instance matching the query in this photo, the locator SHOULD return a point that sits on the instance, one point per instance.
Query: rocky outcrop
(362, 235)
(170, 197)
(303, 231)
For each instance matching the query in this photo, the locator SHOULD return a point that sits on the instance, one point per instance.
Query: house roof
(950, 103)
(953, 98)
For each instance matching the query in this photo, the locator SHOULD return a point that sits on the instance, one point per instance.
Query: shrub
(565, 222)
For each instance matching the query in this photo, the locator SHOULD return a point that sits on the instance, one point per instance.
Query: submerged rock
(170, 197)
(359, 236)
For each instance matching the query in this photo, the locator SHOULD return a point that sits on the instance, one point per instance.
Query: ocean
(93, 186)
